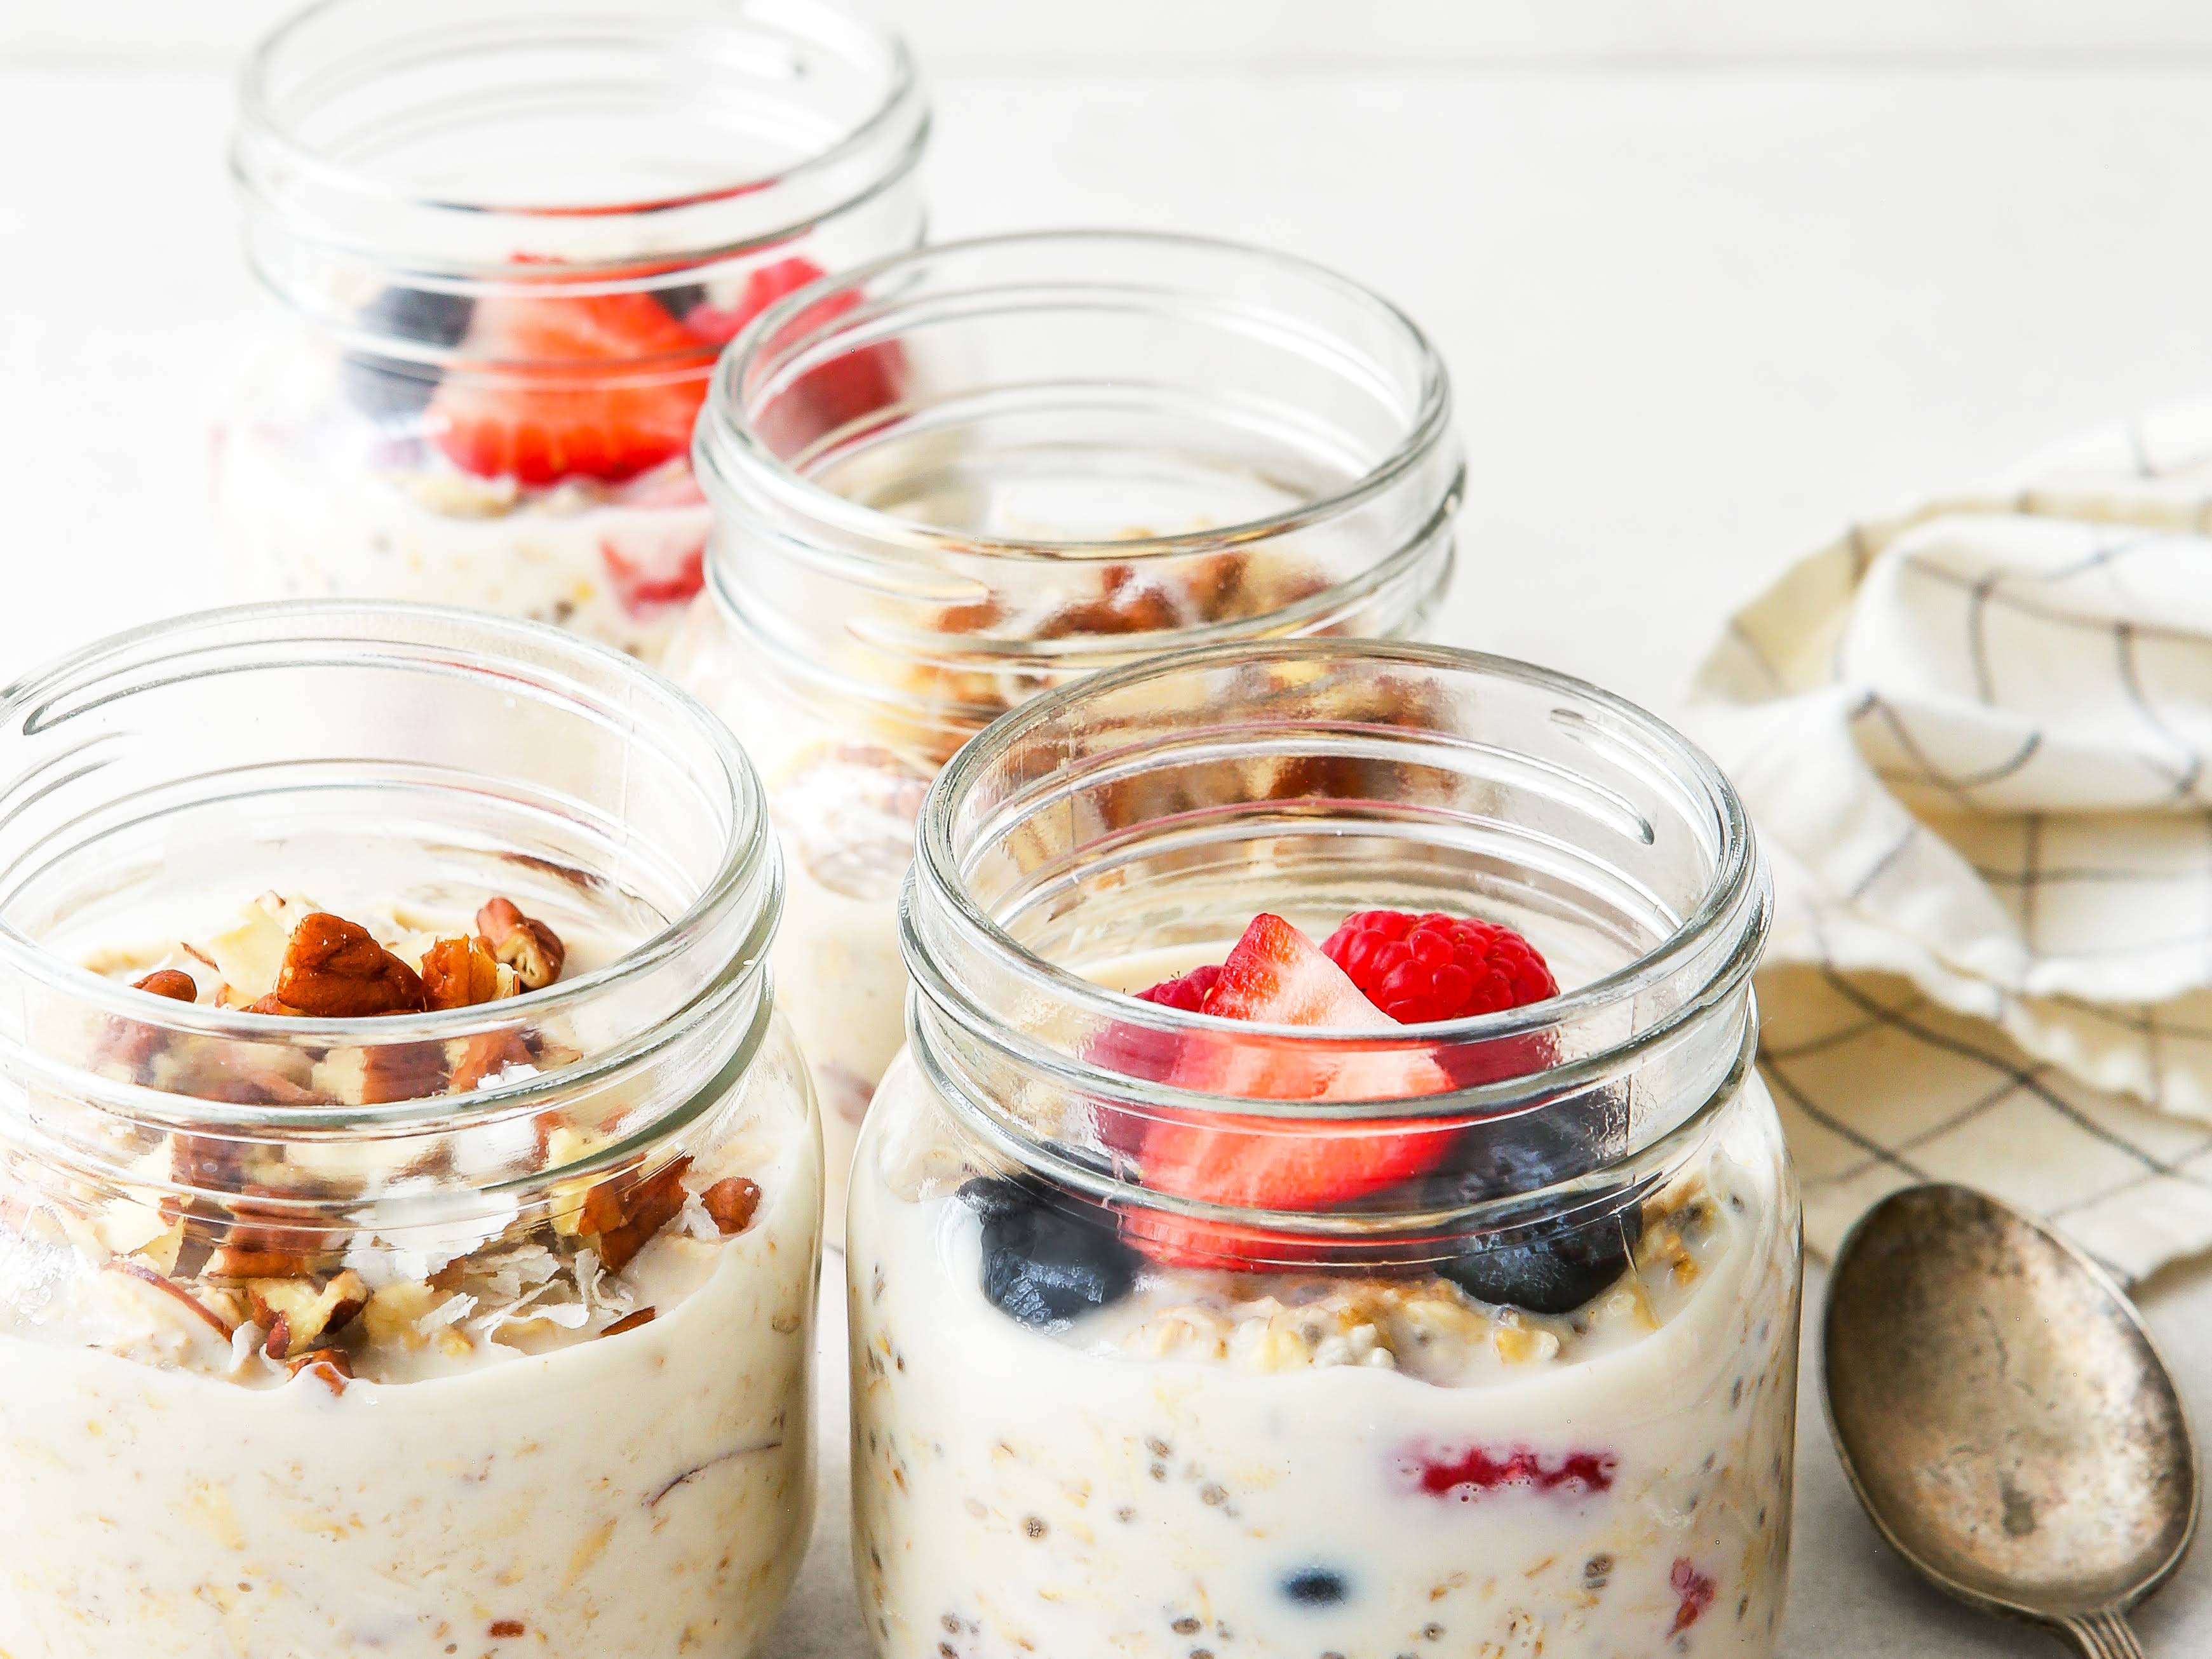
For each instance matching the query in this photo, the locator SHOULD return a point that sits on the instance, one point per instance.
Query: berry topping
(1554, 1272)
(1477, 1471)
(603, 386)
(1277, 976)
(1186, 991)
(1693, 1591)
(1433, 967)
(1316, 1586)
(391, 388)
(1043, 1264)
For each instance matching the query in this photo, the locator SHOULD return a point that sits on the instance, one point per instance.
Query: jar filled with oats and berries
(409, 1198)
(1327, 1205)
(509, 239)
(1083, 449)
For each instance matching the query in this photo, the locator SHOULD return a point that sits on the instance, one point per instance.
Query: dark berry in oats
(1546, 1268)
(1316, 1586)
(1043, 1264)
(681, 301)
(394, 388)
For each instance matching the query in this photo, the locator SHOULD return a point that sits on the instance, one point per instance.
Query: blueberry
(1044, 1264)
(1551, 1271)
(391, 388)
(1316, 1587)
(681, 301)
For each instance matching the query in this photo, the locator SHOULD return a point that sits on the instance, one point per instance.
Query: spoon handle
(2103, 1635)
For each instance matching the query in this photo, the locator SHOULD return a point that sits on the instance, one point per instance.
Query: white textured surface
(1698, 314)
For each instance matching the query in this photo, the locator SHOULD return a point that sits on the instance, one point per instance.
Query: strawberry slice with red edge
(1276, 975)
(553, 386)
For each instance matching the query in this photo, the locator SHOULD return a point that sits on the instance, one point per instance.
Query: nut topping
(299, 1314)
(335, 970)
(732, 1203)
(333, 1367)
(460, 973)
(171, 982)
(629, 1322)
(624, 1220)
(525, 944)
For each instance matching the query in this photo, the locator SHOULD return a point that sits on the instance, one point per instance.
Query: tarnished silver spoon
(2004, 1416)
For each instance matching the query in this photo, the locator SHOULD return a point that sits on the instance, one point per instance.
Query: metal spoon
(2004, 1417)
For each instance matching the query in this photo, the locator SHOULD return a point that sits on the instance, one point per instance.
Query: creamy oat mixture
(569, 1434)
(1219, 1463)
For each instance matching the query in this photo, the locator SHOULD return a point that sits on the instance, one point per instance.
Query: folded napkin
(1974, 738)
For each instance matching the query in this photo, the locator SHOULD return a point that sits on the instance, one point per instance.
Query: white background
(1712, 275)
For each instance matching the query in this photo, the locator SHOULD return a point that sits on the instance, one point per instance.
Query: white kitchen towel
(1974, 738)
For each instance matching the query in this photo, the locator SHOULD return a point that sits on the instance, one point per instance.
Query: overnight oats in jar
(1328, 1206)
(511, 238)
(1106, 445)
(409, 1198)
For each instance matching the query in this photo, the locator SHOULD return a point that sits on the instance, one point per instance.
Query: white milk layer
(1104, 1492)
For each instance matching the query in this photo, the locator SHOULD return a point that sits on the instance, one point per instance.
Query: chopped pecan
(460, 973)
(525, 944)
(487, 1054)
(273, 1003)
(402, 1071)
(335, 970)
(644, 1207)
(333, 1367)
(299, 1313)
(131, 1045)
(253, 1240)
(629, 1322)
(732, 1202)
(1128, 603)
(171, 982)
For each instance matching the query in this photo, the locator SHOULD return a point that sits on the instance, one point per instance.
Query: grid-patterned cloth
(1974, 737)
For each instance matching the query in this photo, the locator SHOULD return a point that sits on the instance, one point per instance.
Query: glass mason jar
(1104, 445)
(1519, 1379)
(509, 239)
(482, 1327)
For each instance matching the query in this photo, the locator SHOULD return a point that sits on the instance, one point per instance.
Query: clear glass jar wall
(1103, 445)
(1519, 1379)
(367, 1299)
(511, 238)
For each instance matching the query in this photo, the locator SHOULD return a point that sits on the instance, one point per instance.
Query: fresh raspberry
(1422, 968)
(1186, 991)
(1471, 1470)
(1694, 1593)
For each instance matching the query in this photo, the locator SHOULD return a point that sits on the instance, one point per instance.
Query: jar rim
(722, 435)
(562, 662)
(1737, 883)
(899, 116)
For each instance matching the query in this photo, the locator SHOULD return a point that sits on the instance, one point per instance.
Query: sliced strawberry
(1277, 976)
(603, 386)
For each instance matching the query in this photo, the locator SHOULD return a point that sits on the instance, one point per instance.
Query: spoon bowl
(2004, 1416)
